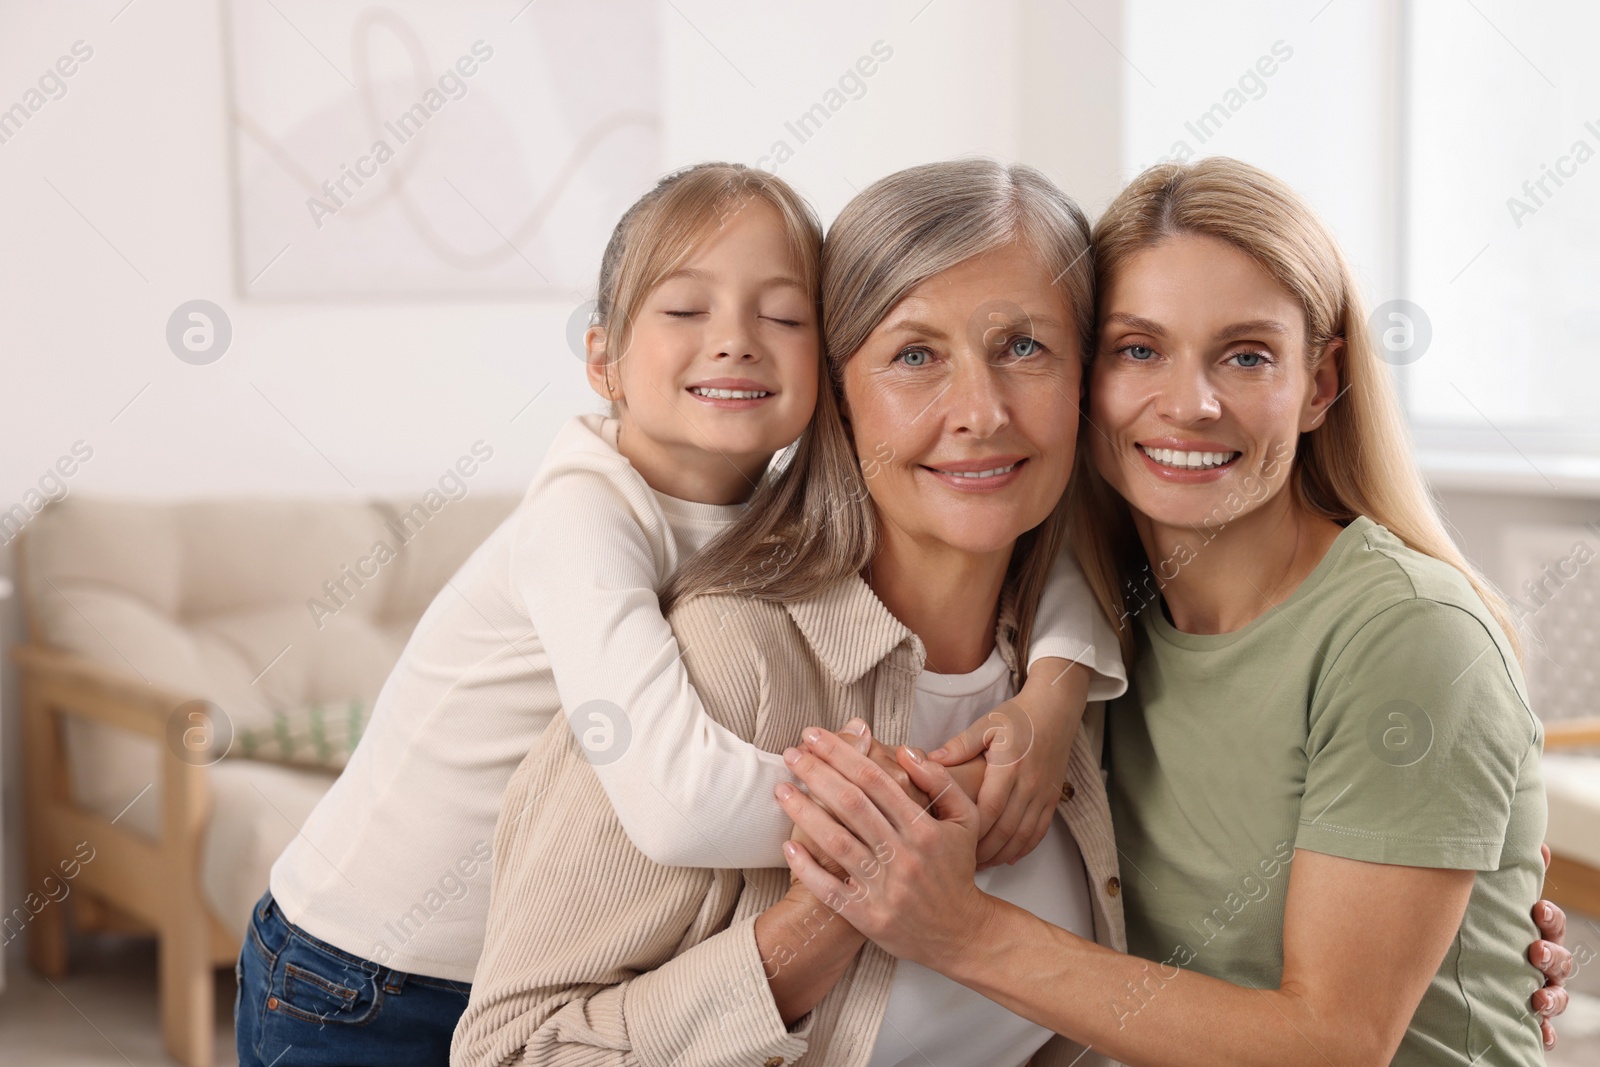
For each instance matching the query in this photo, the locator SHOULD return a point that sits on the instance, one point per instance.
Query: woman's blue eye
(914, 357)
(1139, 353)
(1023, 347)
(1249, 359)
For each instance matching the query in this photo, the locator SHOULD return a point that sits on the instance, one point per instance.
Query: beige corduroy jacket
(594, 955)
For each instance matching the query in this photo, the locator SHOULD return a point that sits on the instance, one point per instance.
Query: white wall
(1306, 91)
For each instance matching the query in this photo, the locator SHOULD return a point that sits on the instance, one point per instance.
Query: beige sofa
(135, 611)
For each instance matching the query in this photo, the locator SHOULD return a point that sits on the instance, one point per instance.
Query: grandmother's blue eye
(1023, 347)
(914, 357)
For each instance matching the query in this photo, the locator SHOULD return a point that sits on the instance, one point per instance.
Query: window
(1500, 224)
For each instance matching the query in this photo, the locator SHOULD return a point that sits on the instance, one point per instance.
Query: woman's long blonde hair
(811, 524)
(1358, 462)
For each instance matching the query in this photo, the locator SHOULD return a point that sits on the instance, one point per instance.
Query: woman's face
(1200, 387)
(963, 403)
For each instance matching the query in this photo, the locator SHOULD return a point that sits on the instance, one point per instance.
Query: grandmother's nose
(977, 402)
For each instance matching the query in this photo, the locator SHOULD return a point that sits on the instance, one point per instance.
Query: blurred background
(272, 270)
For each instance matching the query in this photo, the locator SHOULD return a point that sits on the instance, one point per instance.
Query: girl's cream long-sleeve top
(594, 955)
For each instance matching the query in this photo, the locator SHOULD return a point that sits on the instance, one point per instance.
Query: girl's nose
(736, 340)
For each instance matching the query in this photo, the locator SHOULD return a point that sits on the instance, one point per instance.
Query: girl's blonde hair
(812, 524)
(664, 227)
(1358, 462)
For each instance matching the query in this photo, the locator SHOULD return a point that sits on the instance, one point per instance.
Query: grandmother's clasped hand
(909, 869)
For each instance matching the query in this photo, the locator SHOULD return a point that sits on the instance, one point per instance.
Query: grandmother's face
(963, 403)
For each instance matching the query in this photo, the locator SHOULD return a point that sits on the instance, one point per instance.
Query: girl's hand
(910, 872)
(1026, 742)
(1550, 955)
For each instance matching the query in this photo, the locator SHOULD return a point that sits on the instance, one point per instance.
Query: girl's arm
(688, 791)
(595, 956)
(1070, 626)
(1344, 959)
(1073, 658)
(1025, 744)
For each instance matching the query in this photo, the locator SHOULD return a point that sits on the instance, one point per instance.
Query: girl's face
(722, 361)
(963, 403)
(1200, 387)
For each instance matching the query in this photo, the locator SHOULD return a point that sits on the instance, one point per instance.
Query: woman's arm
(806, 948)
(921, 904)
(1353, 975)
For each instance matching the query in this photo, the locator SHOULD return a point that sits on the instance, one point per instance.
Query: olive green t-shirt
(1378, 714)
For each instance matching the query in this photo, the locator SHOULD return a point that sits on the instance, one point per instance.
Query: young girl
(706, 345)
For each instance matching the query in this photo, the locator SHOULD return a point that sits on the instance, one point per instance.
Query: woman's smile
(1187, 461)
(985, 475)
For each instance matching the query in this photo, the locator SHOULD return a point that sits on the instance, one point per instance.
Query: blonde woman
(1325, 777)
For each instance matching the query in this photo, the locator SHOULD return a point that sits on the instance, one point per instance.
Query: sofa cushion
(321, 736)
(257, 605)
(257, 808)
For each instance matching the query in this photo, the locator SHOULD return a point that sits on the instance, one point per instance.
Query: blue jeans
(304, 1003)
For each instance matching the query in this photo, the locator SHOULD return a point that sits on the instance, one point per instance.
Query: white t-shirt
(559, 609)
(931, 1019)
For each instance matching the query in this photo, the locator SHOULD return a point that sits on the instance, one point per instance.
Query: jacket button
(272, 1003)
(1067, 791)
(1113, 885)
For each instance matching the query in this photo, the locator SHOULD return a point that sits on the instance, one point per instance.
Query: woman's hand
(910, 884)
(1550, 955)
(859, 735)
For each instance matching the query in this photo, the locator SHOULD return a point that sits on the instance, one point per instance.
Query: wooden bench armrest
(1572, 733)
(95, 691)
(58, 684)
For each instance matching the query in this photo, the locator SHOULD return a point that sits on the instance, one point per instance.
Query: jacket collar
(851, 631)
